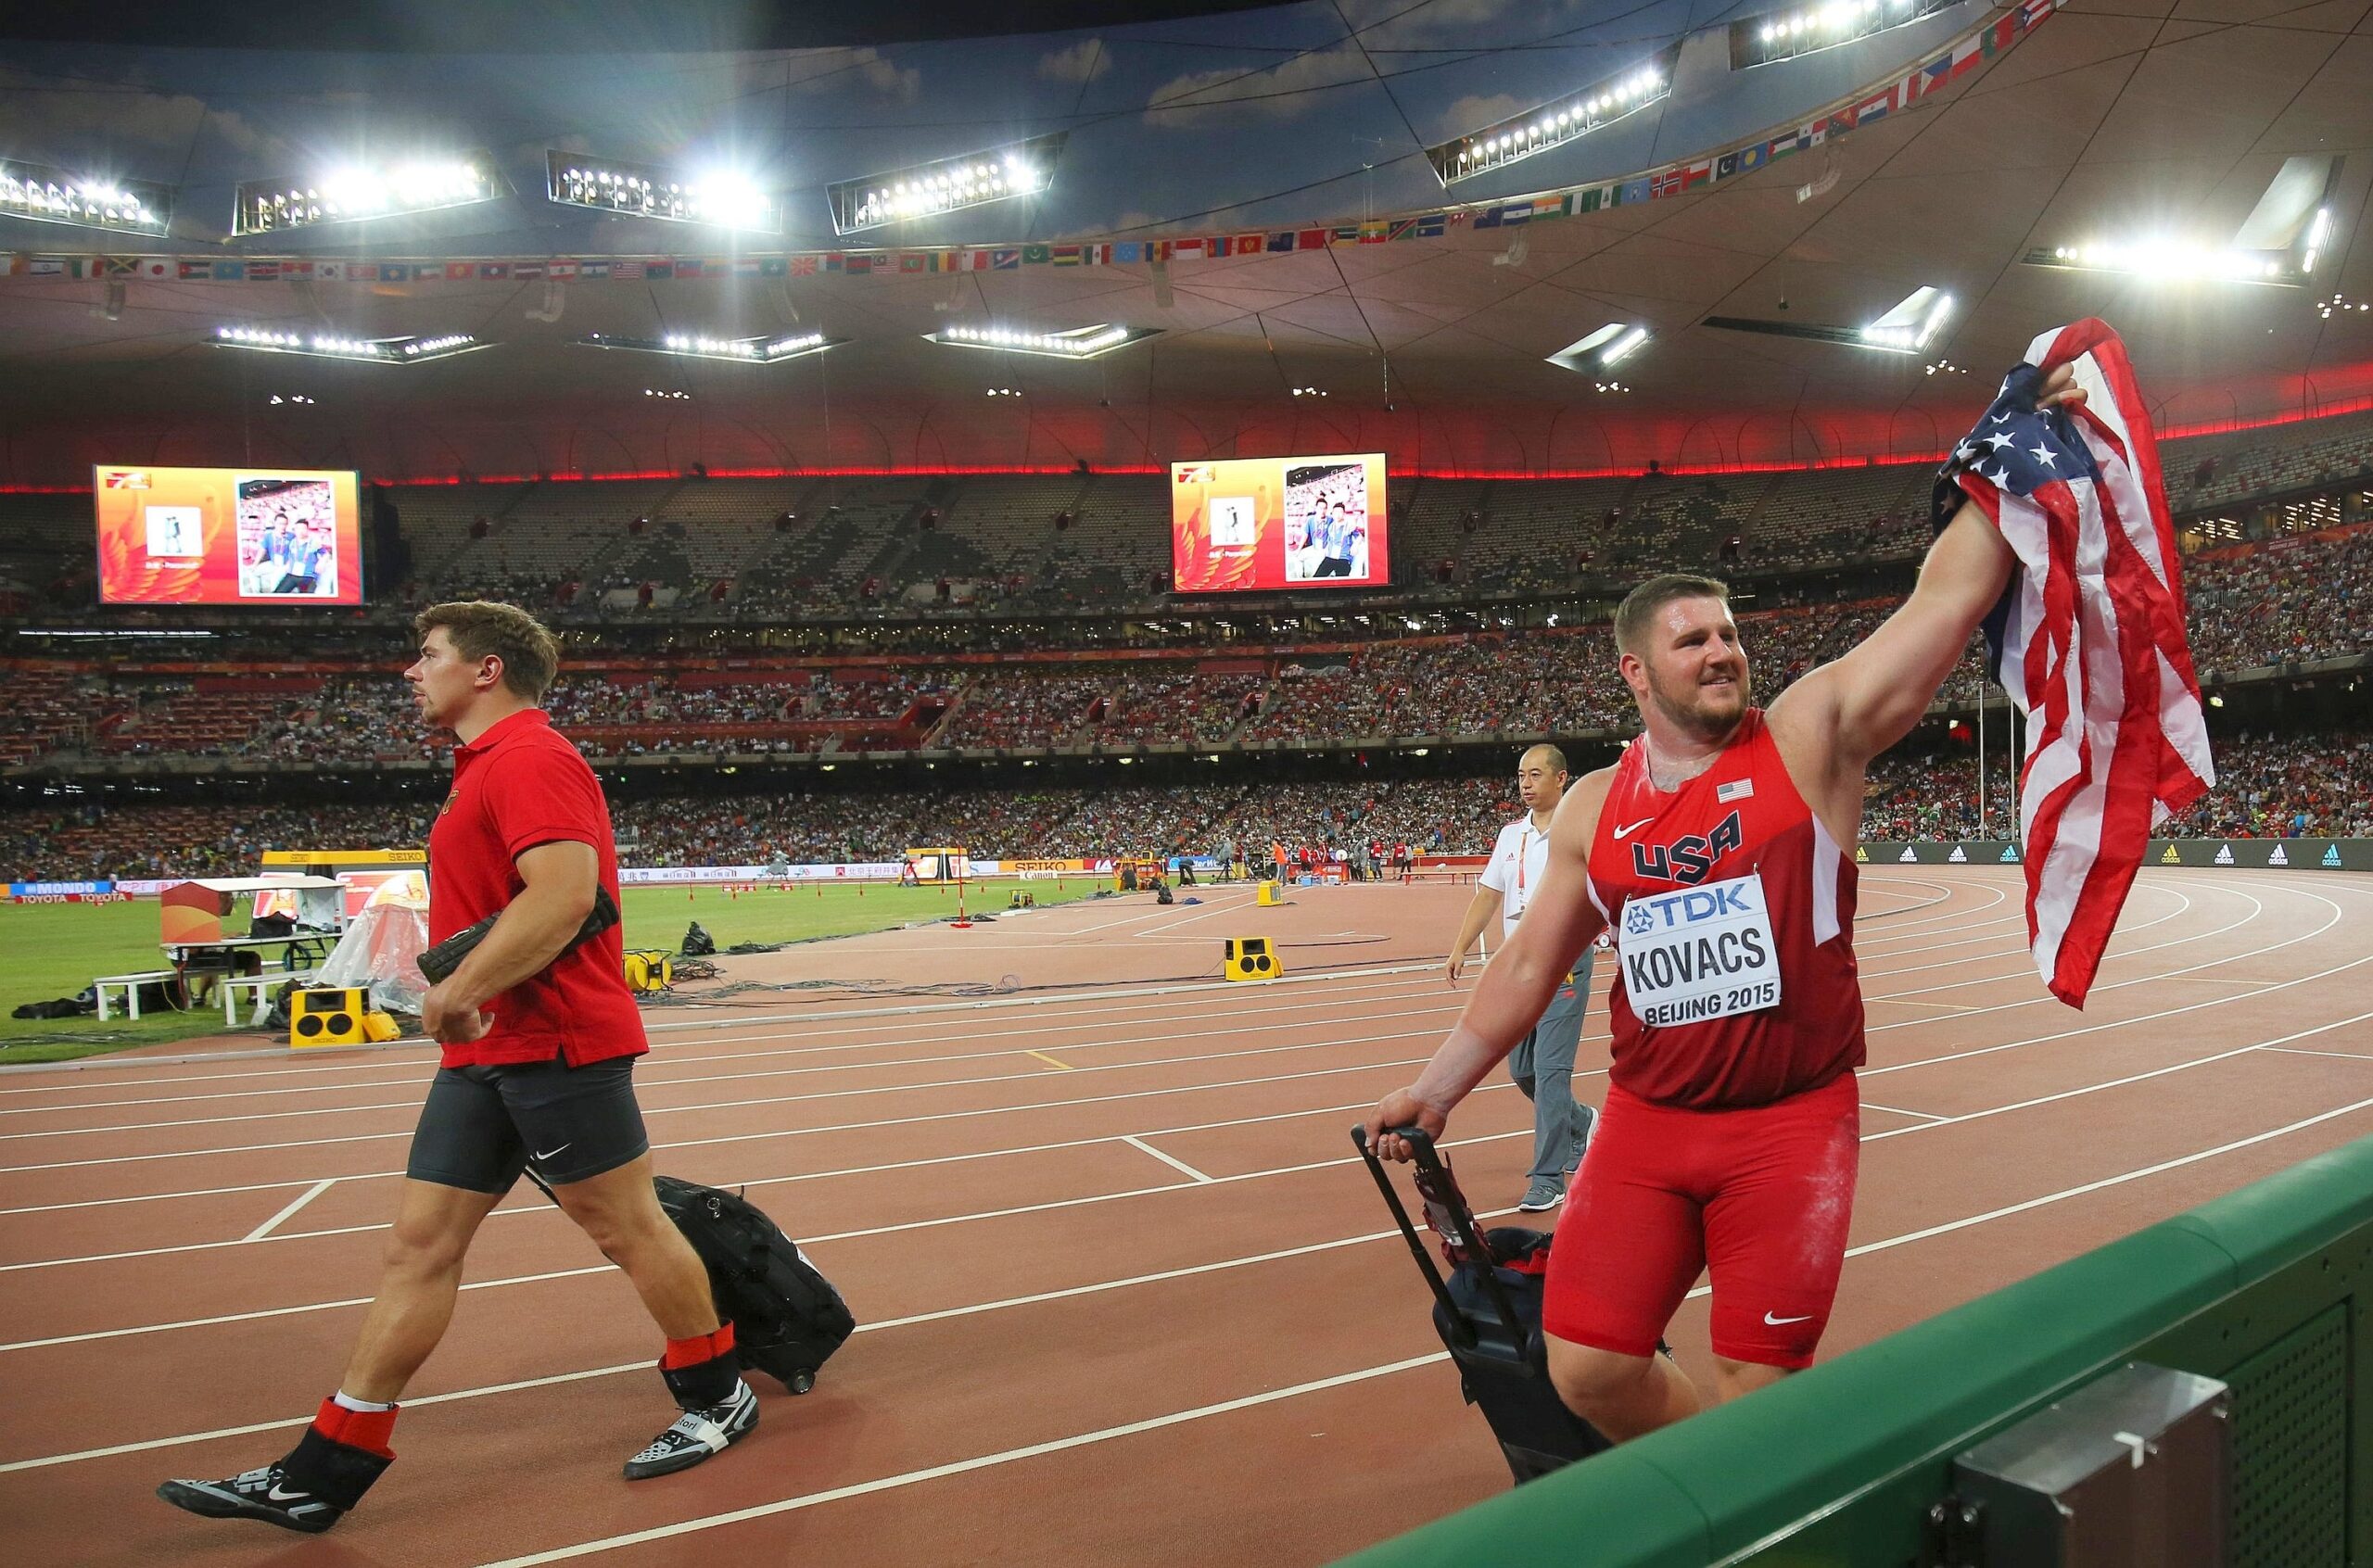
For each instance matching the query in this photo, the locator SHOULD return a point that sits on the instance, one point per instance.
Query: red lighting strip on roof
(2172, 433)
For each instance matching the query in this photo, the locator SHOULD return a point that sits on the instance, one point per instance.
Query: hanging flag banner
(1871, 104)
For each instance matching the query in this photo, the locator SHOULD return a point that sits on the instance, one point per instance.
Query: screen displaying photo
(287, 538)
(1251, 523)
(227, 536)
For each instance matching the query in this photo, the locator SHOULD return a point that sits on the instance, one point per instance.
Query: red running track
(1123, 1285)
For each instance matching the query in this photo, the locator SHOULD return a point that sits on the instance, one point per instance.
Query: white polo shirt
(1518, 863)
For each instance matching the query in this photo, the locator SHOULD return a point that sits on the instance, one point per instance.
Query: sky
(1300, 114)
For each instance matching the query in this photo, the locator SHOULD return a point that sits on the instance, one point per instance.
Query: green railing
(2269, 1288)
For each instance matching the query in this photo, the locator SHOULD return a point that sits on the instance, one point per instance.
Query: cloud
(1282, 91)
(826, 70)
(36, 113)
(1474, 112)
(1081, 63)
(1387, 24)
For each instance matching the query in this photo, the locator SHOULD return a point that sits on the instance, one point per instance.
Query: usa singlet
(1733, 914)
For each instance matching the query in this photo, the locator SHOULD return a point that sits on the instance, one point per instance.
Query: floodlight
(924, 190)
(355, 192)
(43, 194)
(760, 350)
(1784, 35)
(1913, 324)
(338, 346)
(1073, 343)
(2177, 261)
(1601, 349)
(1557, 122)
(727, 198)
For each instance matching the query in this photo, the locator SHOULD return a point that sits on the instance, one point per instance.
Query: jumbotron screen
(227, 536)
(1277, 522)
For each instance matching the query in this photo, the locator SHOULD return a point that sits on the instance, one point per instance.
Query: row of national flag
(1955, 60)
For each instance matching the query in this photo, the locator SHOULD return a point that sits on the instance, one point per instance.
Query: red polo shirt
(519, 785)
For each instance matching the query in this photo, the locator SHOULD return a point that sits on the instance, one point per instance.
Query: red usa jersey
(1731, 911)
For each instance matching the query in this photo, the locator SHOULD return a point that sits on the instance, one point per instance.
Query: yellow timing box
(328, 1017)
(1266, 898)
(380, 1026)
(1250, 958)
(648, 969)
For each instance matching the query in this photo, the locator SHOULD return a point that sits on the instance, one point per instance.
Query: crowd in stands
(2287, 787)
(2268, 786)
(2282, 601)
(1017, 708)
(2290, 601)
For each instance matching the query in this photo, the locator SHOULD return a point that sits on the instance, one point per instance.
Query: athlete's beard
(1692, 709)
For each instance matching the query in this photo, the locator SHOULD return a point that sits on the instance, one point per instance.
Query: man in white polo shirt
(1543, 1063)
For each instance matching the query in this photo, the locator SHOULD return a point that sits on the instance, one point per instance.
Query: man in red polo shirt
(539, 1036)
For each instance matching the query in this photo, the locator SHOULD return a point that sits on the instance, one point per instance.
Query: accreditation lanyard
(1524, 852)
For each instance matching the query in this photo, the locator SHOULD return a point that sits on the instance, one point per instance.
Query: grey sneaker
(697, 1435)
(1583, 1139)
(1545, 1193)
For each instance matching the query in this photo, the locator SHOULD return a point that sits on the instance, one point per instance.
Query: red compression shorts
(1759, 1197)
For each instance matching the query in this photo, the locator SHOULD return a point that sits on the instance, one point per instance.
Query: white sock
(345, 1401)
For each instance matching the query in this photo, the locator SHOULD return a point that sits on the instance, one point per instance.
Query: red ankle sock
(367, 1430)
(699, 1348)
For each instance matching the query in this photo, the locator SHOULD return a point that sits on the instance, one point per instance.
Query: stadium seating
(2304, 784)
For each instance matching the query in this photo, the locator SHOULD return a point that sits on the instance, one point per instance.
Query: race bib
(1700, 954)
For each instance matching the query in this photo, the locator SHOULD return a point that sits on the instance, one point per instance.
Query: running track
(1124, 1293)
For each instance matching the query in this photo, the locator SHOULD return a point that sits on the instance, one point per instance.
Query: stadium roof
(2115, 119)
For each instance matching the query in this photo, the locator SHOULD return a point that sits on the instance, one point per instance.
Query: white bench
(263, 985)
(131, 985)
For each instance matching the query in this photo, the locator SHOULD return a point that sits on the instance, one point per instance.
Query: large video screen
(1277, 522)
(227, 536)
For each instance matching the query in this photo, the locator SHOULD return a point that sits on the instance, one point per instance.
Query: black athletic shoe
(697, 1434)
(264, 1494)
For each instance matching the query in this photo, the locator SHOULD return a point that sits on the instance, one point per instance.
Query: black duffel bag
(787, 1318)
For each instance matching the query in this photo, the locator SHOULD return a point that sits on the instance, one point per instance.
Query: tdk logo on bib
(1704, 952)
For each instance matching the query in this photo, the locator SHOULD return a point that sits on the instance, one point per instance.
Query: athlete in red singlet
(1712, 853)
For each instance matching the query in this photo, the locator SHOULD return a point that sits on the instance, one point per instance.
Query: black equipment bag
(1488, 1315)
(439, 962)
(787, 1318)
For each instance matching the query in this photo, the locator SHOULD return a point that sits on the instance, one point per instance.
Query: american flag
(2089, 639)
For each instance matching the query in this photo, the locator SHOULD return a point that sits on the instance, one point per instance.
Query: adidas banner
(2247, 854)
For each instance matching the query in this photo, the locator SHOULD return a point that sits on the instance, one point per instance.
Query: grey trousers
(1543, 1066)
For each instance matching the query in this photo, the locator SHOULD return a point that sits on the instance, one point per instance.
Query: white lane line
(2106, 1182)
(1863, 1250)
(316, 1190)
(539, 1208)
(804, 1131)
(747, 1137)
(1174, 1163)
(1096, 999)
(964, 1467)
(1442, 1005)
(1927, 1122)
(1867, 1071)
(2117, 1082)
(655, 1074)
(355, 1138)
(2343, 1056)
(1929, 1125)
(412, 1105)
(654, 1071)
